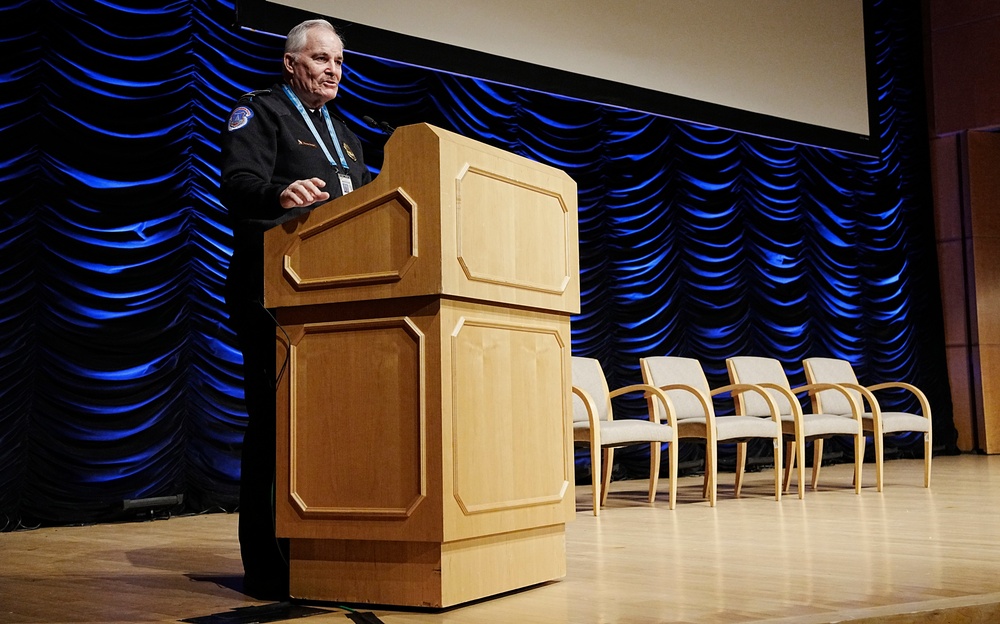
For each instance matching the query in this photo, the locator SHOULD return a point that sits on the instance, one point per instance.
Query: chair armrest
(706, 404)
(664, 399)
(925, 406)
(856, 410)
(793, 401)
(741, 388)
(868, 396)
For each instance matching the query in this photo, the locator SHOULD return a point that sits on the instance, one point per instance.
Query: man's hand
(303, 193)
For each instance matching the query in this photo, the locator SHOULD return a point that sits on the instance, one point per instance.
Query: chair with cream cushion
(684, 382)
(798, 427)
(876, 421)
(594, 424)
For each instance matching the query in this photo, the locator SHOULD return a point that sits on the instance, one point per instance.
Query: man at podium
(283, 153)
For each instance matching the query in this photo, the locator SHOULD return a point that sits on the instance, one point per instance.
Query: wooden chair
(594, 424)
(684, 382)
(798, 427)
(877, 422)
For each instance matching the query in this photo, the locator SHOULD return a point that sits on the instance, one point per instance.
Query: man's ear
(289, 61)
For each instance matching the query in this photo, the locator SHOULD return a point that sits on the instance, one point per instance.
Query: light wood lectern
(424, 445)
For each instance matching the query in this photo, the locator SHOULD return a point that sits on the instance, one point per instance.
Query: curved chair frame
(602, 454)
(874, 422)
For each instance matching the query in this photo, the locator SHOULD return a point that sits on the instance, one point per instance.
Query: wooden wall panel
(946, 166)
(967, 215)
(984, 209)
(960, 379)
(965, 63)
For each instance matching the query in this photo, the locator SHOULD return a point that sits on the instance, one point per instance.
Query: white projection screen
(789, 69)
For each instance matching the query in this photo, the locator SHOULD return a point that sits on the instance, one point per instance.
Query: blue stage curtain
(119, 379)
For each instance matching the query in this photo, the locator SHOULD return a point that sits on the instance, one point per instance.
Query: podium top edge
(448, 136)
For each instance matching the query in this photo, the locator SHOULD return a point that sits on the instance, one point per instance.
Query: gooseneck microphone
(380, 125)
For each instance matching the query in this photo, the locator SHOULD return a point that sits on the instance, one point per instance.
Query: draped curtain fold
(120, 380)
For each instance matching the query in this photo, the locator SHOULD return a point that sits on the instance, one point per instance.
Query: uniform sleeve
(249, 149)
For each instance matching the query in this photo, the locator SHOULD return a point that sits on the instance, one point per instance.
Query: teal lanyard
(329, 126)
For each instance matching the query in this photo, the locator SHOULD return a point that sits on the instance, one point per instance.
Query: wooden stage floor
(906, 555)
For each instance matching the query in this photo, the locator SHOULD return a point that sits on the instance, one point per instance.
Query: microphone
(380, 125)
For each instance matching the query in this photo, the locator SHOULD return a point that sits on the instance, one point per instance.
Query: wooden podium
(424, 445)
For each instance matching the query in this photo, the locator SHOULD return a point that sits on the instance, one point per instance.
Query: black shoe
(265, 587)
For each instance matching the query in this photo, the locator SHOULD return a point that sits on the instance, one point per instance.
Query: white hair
(296, 39)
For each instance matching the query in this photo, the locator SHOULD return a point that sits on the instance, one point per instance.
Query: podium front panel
(423, 420)
(357, 457)
(357, 385)
(506, 426)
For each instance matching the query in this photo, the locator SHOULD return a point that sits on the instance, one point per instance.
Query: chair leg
(879, 446)
(672, 454)
(741, 465)
(711, 489)
(817, 461)
(927, 460)
(789, 464)
(596, 477)
(800, 459)
(777, 469)
(608, 460)
(654, 469)
(859, 460)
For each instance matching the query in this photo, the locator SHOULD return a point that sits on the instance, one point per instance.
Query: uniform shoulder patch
(240, 117)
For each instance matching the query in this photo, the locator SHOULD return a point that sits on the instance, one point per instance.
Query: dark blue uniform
(266, 145)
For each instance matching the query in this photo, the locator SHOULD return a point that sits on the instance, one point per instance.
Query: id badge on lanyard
(346, 186)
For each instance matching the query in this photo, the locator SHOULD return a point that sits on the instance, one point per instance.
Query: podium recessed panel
(356, 385)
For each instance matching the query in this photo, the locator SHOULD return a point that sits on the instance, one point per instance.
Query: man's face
(315, 71)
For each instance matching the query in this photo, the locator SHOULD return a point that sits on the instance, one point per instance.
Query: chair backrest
(662, 370)
(588, 375)
(831, 370)
(758, 370)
